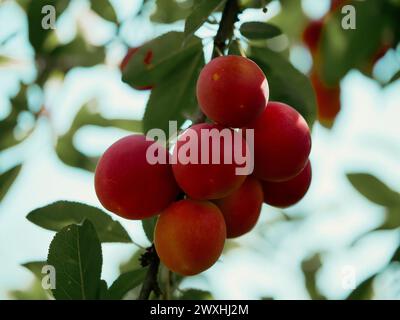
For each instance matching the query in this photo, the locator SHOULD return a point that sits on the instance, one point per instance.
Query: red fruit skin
(312, 35)
(232, 91)
(282, 143)
(128, 185)
(189, 236)
(287, 193)
(147, 61)
(212, 180)
(328, 100)
(242, 208)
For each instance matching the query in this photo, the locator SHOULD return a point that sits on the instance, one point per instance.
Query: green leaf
(286, 83)
(104, 9)
(310, 268)
(259, 30)
(126, 282)
(392, 219)
(169, 11)
(172, 100)
(65, 148)
(199, 15)
(6, 180)
(158, 59)
(75, 253)
(195, 294)
(37, 34)
(148, 226)
(344, 49)
(60, 214)
(19, 103)
(291, 19)
(35, 267)
(395, 77)
(77, 53)
(34, 291)
(374, 189)
(103, 293)
(364, 290)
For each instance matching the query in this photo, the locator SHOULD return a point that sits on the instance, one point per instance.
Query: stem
(151, 259)
(226, 26)
(221, 40)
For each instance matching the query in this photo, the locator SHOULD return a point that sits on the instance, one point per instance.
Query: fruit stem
(150, 283)
(226, 27)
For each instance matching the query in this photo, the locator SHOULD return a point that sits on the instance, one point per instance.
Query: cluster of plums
(202, 203)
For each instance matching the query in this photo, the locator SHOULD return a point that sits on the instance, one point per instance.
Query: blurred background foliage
(53, 67)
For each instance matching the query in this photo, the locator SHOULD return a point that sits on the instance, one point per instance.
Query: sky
(266, 262)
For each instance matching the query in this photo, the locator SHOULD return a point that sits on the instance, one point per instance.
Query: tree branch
(226, 27)
(150, 283)
(221, 40)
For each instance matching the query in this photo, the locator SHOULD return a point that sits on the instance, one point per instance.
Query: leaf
(148, 226)
(171, 100)
(310, 268)
(392, 220)
(36, 268)
(364, 290)
(60, 214)
(343, 49)
(290, 19)
(374, 189)
(395, 77)
(199, 15)
(103, 293)
(75, 253)
(286, 83)
(77, 53)
(6, 180)
(37, 34)
(126, 282)
(259, 30)
(159, 58)
(104, 9)
(195, 294)
(19, 103)
(34, 291)
(65, 148)
(170, 11)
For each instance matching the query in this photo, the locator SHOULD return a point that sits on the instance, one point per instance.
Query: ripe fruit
(287, 193)
(242, 208)
(128, 185)
(312, 35)
(282, 143)
(200, 161)
(189, 236)
(147, 60)
(328, 100)
(232, 91)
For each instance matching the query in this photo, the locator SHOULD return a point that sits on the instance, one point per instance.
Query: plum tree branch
(221, 40)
